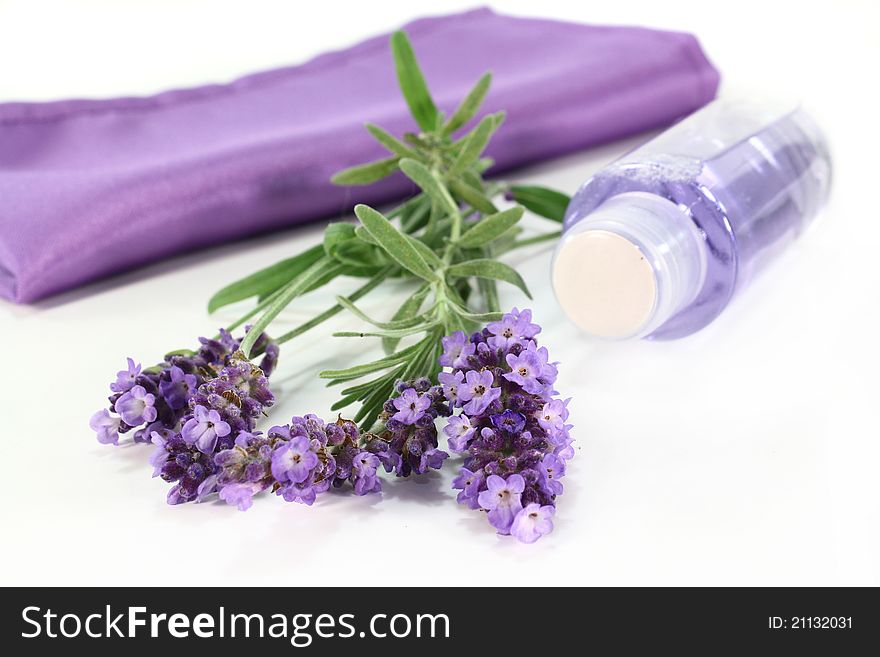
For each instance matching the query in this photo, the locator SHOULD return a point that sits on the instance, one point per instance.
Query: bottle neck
(626, 268)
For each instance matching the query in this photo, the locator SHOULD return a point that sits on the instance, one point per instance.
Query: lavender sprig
(511, 427)
(190, 406)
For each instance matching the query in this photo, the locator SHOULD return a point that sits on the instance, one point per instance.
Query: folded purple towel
(93, 187)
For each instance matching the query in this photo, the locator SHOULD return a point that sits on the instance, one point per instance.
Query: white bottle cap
(630, 265)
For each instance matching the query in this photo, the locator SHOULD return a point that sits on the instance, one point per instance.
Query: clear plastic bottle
(655, 244)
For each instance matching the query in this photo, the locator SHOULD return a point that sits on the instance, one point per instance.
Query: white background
(745, 454)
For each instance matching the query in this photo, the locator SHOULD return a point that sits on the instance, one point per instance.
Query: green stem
(253, 311)
(321, 268)
(362, 291)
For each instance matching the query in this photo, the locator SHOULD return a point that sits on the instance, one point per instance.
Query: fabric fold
(89, 188)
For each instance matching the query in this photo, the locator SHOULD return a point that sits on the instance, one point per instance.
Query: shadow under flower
(134, 456)
(426, 489)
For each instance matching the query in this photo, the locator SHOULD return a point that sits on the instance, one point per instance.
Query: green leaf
(320, 269)
(390, 333)
(381, 364)
(390, 142)
(416, 217)
(335, 234)
(469, 106)
(484, 164)
(483, 318)
(476, 141)
(491, 227)
(430, 184)
(394, 242)
(472, 196)
(398, 324)
(360, 254)
(489, 290)
(409, 309)
(342, 403)
(364, 236)
(544, 202)
(412, 82)
(426, 252)
(491, 269)
(362, 291)
(364, 174)
(267, 280)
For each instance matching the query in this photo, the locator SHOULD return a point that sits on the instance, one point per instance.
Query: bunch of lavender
(511, 427)
(190, 405)
(445, 241)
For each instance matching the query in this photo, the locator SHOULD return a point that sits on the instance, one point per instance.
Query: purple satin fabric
(90, 188)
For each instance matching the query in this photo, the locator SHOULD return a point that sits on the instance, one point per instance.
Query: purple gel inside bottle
(706, 204)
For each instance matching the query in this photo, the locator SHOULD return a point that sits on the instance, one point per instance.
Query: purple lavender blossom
(469, 483)
(204, 429)
(240, 495)
(451, 382)
(553, 415)
(552, 470)
(514, 328)
(533, 522)
(136, 406)
(459, 432)
(178, 388)
(126, 378)
(525, 369)
(407, 442)
(410, 406)
(181, 464)
(502, 499)
(298, 461)
(190, 405)
(456, 350)
(294, 460)
(477, 391)
(106, 426)
(510, 427)
(509, 421)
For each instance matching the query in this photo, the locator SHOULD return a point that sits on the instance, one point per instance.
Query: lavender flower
(410, 406)
(533, 522)
(181, 464)
(478, 391)
(293, 460)
(456, 350)
(503, 500)
(126, 378)
(407, 440)
(298, 461)
(190, 406)
(136, 406)
(240, 495)
(204, 429)
(510, 427)
(469, 483)
(514, 328)
(178, 388)
(106, 426)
